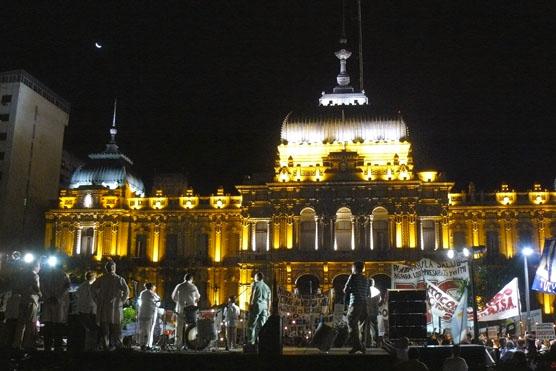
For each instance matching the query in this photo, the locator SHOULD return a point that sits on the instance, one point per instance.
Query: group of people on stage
(186, 296)
(91, 316)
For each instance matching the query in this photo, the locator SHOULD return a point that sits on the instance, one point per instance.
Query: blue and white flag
(545, 278)
(459, 319)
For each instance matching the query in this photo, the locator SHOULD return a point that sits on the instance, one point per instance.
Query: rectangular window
(5, 117)
(6, 99)
(1, 156)
(3, 136)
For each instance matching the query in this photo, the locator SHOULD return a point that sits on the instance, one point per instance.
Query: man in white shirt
(87, 309)
(455, 362)
(186, 296)
(147, 316)
(231, 315)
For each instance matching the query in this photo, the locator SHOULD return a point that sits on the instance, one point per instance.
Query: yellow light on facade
(284, 177)
(538, 200)
(219, 204)
(389, 174)
(188, 204)
(288, 268)
(427, 176)
(325, 268)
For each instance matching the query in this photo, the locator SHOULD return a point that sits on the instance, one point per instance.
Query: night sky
(203, 86)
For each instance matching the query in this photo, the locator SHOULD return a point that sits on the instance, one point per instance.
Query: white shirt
(85, 302)
(454, 364)
(184, 295)
(231, 314)
(149, 303)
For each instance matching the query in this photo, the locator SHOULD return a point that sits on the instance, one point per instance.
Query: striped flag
(459, 319)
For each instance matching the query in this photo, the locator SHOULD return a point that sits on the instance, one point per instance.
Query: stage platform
(293, 359)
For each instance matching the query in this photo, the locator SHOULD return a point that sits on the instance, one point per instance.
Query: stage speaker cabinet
(407, 314)
(270, 336)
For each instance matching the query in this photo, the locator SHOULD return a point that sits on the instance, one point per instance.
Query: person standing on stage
(258, 307)
(186, 296)
(356, 291)
(87, 310)
(147, 316)
(110, 292)
(231, 316)
(55, 284)
(27, 289)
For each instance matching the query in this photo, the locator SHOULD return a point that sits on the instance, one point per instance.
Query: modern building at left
(32, 123)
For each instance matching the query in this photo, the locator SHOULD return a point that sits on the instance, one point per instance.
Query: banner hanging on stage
(504, 304)
(545, 278)
(448, 275)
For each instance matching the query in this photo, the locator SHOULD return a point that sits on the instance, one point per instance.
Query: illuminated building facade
(344, 189)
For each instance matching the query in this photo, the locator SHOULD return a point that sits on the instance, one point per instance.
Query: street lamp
(527, 251)
(468, 255)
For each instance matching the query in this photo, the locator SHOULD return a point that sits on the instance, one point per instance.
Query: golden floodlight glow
(427, 176)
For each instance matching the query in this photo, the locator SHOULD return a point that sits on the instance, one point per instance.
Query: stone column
(316, 232)
(78, 232)
(253, 236)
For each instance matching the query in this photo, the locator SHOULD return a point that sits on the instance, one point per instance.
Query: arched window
(492, 242)
(338, 284)
(307, 229)
(380, 239)
(343, 230)
(261, 231)
(141, 246)
(307, 284)
(428, 237)
(87, 241)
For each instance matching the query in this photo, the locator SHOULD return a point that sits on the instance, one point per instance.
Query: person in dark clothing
(356, 292)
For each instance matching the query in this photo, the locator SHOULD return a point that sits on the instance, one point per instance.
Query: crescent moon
(98, 45)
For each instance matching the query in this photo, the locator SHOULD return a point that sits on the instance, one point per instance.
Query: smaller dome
(110, 169)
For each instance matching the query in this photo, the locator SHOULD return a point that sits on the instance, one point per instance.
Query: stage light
(52, 261)
(466, 252)
(450, 254)
(527, 251)
(28, 258)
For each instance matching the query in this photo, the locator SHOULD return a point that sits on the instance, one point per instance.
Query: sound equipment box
(407, 314)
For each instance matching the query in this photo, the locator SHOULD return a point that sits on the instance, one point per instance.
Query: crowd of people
(41, 310)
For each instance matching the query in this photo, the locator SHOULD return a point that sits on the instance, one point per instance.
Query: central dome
(330, 124)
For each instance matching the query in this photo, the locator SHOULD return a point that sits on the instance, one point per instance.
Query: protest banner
(545, 277)
(504, 304)
(545, 331)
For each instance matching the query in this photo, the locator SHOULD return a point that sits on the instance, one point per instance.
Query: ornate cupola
(343, 138)
(109, 168)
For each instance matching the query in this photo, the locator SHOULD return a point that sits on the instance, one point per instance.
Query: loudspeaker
(270, 336)
(324, 337)
(407, 314)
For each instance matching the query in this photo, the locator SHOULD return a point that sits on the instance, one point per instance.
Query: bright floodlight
(28, 258)
(466, 252)
(450, 254)
(52, 261)
(527, 251)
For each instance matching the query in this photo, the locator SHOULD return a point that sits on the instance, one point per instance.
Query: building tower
(32, 124)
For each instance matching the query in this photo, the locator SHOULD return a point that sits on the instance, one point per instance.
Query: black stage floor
(293, 359)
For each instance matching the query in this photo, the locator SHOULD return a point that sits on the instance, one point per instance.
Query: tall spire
(113, 130)
(343, 93)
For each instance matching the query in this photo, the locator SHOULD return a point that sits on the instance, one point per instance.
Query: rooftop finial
(113, 130)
